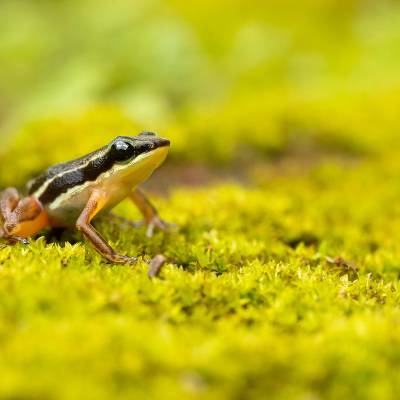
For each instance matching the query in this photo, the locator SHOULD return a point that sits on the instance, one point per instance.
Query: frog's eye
(122, 151)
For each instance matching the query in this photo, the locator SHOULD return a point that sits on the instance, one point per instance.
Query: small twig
(155, 265)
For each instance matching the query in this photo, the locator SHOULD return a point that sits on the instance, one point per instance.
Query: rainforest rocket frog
(73, 193)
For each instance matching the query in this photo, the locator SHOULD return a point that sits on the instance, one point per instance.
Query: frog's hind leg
(19, 217)
(9, 199)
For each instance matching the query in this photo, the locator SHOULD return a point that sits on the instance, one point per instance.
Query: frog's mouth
(141, 167)
(152, 158)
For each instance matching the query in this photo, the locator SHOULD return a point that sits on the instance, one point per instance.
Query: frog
(74, 193)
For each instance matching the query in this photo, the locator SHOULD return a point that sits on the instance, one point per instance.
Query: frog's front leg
(95, 204)
(19, 218)
(149, 212)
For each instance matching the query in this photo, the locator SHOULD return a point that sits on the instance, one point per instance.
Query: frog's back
(55, 174)
(63, 180)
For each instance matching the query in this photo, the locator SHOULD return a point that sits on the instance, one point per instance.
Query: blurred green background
(228, 82)
(284, 277)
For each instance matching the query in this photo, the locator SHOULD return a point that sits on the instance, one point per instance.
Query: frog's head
(136, 157)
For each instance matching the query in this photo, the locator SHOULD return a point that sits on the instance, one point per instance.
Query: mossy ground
(254, 301)
(283, 280)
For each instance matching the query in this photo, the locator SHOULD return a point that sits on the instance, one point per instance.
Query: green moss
(247, 305)
(284, 287)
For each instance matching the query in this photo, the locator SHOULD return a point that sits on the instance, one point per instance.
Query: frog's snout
(161, 142)
(153, 140)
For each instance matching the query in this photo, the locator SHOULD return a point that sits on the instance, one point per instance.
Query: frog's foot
(120, 259)
(16, 239)
(157, 223)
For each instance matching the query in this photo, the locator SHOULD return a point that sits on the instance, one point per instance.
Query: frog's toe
(157, 222)
(131, 260)
(120, 259)
(24, 241)
(17, 239)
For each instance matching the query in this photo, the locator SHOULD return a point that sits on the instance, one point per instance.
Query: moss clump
(288, 286)
(247, 304)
